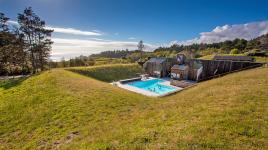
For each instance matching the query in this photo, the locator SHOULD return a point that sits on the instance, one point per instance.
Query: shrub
(234, 51)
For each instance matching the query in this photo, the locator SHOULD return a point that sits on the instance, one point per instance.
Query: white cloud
(73, 31)
(74, 47)
(11, 22)
(131, 38)
(66, 30)
(230, 32)
(99, 39)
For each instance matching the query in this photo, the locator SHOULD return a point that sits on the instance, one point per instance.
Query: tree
(25, 47)
(11, 48)
(36, 37)
(43, 43)
(91, 62)
(63, 63)
(253, 44)
(140, 48)
(234, 51)
(26, 22)
(227, 46)
(3, 42)
(3, 23)
(11, 51)
(240, 44)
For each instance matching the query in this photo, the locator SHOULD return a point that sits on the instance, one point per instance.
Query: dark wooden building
(159, 67)
(212, 68)
(197, 69)
(180, 72)
(234, 58)
(181, 59)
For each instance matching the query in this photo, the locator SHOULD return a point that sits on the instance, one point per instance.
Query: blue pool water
(152, 85)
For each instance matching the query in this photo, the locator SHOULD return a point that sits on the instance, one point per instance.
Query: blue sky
(119, 24)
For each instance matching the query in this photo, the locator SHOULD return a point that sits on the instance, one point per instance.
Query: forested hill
(263, 42)
(113, 54)
(259, 43)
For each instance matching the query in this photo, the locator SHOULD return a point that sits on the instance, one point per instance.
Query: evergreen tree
(140, 48)
(36, 37)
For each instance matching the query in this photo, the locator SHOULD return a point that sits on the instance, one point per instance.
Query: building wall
(212, 68)
(183, 74)
(163, 67)
(153, 67)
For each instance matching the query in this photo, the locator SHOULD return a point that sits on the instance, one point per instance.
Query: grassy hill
(63, 109)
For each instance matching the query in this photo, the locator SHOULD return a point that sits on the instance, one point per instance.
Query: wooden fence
(214, 68)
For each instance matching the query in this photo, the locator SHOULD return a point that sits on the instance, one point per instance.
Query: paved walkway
(12, 77)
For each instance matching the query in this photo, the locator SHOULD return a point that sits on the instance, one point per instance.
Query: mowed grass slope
(62, 109)
(109, 73)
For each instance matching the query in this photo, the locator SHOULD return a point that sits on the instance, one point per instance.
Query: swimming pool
(152, 85)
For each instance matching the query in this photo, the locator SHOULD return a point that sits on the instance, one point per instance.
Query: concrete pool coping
(145, 92)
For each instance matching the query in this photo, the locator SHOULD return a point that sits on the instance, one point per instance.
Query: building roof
(180, 67)
(234, 58)
(157, 60)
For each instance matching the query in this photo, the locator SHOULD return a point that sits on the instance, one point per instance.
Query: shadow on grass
(110, 73)
(7, 84)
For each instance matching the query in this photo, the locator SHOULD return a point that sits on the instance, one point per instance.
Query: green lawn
(66, 110)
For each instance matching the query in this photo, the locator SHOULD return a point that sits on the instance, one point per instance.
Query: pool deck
(148, 93)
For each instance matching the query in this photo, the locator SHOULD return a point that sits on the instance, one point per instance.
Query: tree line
(106, 57)
(241, 46)
(24, 48)
(72, 62)
(113, 54)
(254, 47)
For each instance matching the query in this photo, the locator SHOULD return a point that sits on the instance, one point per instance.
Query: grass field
(66, 110)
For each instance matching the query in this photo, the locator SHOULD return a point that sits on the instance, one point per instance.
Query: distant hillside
(260, 43)
(263, 42)
(113, 54)
(257, 45)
